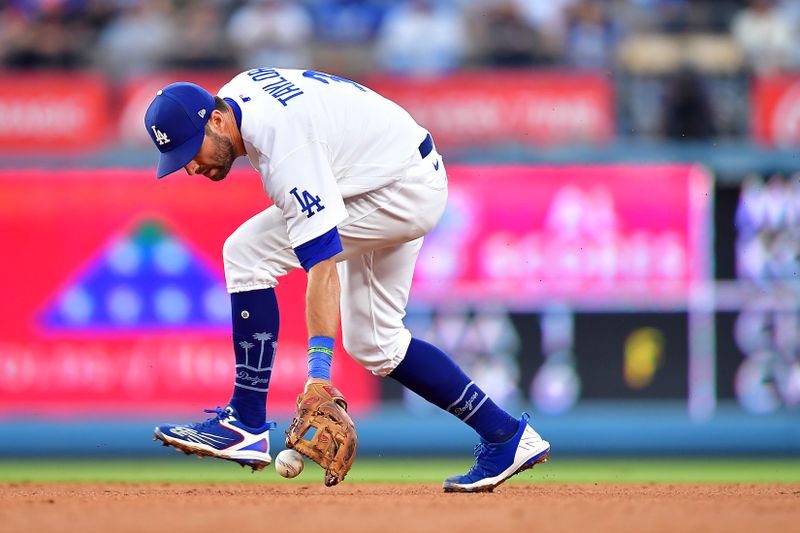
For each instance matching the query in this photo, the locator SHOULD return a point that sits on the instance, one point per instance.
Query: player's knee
(241, 266)
(231, 250)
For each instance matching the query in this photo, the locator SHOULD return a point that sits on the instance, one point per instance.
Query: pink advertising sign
(115, 300)
(578, 233)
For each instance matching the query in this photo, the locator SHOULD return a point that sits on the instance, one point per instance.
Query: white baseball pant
(381, 239)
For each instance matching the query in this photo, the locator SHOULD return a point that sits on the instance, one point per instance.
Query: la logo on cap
(161, 137)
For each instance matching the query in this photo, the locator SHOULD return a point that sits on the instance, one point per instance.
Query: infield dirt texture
(536, 501)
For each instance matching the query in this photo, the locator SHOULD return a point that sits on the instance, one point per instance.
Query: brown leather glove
(333, 444)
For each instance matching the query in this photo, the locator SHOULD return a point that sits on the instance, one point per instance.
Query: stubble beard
(224, 155)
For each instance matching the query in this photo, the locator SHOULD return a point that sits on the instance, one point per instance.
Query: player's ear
(216, 120)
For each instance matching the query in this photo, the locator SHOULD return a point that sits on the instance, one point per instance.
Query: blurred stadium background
(620, 255)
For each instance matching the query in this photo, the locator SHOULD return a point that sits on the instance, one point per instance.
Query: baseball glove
(333, 442)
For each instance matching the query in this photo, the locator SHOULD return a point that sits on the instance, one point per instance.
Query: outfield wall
(631, 308)
(589, 430)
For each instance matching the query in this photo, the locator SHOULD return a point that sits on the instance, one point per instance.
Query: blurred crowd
(412, 37)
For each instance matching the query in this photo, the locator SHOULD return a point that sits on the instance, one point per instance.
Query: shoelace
(221, 413)
(481, 449)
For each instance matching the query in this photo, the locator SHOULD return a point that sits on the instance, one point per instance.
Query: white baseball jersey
(317, 139)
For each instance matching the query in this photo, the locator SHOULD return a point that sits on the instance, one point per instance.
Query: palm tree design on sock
(246, 345)
(262, 338)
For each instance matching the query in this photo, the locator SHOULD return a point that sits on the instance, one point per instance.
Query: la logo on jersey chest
(161, 137)
(308, 202)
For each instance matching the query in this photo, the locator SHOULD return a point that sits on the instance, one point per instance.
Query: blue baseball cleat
(496, 462)
(222, 436)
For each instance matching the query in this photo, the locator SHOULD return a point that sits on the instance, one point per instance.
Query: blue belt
(426, 146)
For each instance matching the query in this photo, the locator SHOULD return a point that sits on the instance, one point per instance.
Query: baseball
(289, 463)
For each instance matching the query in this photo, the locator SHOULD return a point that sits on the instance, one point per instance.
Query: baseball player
(356, 184)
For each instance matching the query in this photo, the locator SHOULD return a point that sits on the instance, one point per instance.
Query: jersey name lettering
(278, 87)
(322, 77)
(308, 202)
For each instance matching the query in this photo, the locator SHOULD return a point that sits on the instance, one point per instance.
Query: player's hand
(333, 446)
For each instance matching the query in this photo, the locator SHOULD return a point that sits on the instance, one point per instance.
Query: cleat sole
(189, 450)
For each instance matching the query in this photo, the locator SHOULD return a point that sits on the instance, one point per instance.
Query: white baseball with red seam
(289, 463)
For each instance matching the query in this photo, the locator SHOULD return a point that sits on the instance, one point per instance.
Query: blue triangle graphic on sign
(147, 280)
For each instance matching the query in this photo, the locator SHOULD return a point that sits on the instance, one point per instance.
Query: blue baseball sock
(430, 373)
(255, 336)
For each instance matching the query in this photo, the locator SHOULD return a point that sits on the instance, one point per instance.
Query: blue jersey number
(327, 78)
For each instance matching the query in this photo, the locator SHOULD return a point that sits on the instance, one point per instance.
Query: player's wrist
(320, 357)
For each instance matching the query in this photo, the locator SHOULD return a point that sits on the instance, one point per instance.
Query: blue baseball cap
(176, 121)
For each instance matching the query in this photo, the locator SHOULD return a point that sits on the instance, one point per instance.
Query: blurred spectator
(765, 35)
(400, 46)
(675, 16)
(550, 21)
(345, 32)
(139, 39)
(687, 112)
(44, 35)
(591, 35)
(648, 16)
(504, 38)
(12, 32)
(271, 33)
(201, 42)
(98, 14)
(130, 36)
(347, 21)
(790, 12)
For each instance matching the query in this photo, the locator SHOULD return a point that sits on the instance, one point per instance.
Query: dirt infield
(388, 508)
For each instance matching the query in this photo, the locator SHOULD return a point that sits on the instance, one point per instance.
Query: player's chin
(218, 174)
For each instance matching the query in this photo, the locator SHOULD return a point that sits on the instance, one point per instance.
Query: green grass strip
(409, 470)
